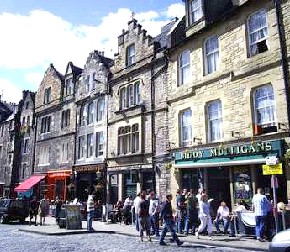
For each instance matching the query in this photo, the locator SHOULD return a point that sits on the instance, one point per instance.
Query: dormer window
(68, 89)
(47, 95)
(131, 55)
(195, 11)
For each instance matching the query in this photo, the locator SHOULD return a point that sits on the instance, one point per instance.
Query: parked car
(280, 242)
(13, 209)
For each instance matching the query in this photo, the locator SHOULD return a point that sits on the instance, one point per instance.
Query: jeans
(154, 221)
(169, 225)
(144, 225)
(137, 222)
(180, 220)
(90, 216)
(205, 221)
(260, 225)
(225, 222)
(191, 220)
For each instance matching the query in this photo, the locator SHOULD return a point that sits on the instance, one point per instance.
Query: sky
(35, 33)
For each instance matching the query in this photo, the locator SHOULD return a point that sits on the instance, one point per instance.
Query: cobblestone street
(14, 240)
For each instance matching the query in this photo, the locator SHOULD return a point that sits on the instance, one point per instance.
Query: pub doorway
(218, 187)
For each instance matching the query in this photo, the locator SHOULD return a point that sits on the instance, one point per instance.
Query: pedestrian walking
(169, 224)
(127, 210)
(144, 221)
(191, 213)
(181, 209)
(43, 210)
(204, 216)
(90, 210)
(154, 210)
(261, 207)
(33, 210)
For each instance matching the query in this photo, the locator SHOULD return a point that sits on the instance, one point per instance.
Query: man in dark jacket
(166, 214)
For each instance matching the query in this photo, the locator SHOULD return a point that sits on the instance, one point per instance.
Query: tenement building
(228, 90)
(25, 142)
(55, 135)
(138, 79)
(91, 127)
(8, 128)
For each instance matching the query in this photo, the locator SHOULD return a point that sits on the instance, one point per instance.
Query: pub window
(186, 127)
(129, 139)
(258, 32)
(215, 121)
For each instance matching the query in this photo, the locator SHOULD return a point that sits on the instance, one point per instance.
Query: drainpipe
(283, 49)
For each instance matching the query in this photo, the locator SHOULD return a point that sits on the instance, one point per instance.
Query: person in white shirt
(223, 215)
(136, 208)
(90, 210)
(154, 213)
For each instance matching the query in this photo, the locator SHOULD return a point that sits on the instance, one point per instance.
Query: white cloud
(10, 92)
(175, 10)
(31, 42)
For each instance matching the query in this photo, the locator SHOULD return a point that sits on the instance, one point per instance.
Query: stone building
(55, 132)
(136, 92)
(228, 94)
(25, 140)
(91, 126)
(8, 127)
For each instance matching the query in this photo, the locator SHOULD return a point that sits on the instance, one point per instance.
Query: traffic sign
(272, 169)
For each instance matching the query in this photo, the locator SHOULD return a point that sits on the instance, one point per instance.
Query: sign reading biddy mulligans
(229, 151)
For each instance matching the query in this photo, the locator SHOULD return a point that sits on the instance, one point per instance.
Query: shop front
(230, 172)
(90, 176)
(129, 181)
(56, 185)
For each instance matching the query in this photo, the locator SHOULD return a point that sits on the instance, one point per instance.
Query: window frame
(90, 145)
(130, 55)
(211, 54)
(182, 68)
(90, 113)
(47, 95)
(211, 139)
(100, 143)
(100, 109)
(250, 44)
(191, 11)
(186, 142)
(272, 106)
(81, 147)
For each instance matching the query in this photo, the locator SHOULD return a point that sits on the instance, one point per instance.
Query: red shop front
(56, 184)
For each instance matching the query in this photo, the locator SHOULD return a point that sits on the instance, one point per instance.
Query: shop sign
(88, 168)
(272, 169)
(225, 151)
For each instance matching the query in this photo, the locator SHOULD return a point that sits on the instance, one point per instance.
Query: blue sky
(35, 33)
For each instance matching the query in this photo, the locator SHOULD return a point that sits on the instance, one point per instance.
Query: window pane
(215, 121)
(211, 54)
(186, 128)
(196, 10)
(184, 67)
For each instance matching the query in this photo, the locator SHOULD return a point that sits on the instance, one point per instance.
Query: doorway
(219, 186)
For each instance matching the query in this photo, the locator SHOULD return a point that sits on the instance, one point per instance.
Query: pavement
(52, 229)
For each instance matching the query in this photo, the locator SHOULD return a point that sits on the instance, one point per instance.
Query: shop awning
(28, 183)
(59, 174)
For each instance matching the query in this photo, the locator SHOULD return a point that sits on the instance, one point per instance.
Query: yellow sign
(272, 169)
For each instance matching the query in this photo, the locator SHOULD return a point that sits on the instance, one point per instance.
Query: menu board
(242, 184)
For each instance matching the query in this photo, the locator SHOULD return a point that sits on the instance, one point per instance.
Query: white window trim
(187, 142)
(205, 56)
(249, 34)
(208, 123)
(191, 21)
(181, 80)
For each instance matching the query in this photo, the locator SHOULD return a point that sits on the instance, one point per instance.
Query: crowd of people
(194, 215)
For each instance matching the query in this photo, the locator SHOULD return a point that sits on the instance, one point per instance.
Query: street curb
(75, 232)
(66, 233)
